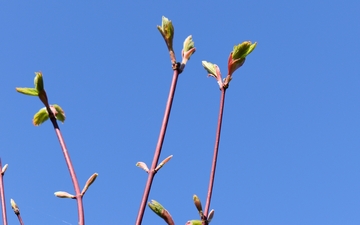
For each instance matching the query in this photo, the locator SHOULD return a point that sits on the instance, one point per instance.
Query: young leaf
(28, 91)
(40, 117)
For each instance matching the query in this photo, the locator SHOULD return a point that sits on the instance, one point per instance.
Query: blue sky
(289, 151)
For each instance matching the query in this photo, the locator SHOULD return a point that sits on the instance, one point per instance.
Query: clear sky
(289, 151)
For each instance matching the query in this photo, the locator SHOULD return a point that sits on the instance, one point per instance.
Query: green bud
(156, 207)
(167, 31)
(197, 203)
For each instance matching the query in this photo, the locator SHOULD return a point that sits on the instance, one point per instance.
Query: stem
(158, 149)
(20, 219)
(2, 196)
(71, 169)
(216, 150)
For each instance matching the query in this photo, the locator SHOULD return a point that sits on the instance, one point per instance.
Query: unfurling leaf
(40, 117)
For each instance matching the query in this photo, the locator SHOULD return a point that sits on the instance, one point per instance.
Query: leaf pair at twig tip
(236, 60)
(167, 31)
(143, 165)
(39, 86)
(42, 115)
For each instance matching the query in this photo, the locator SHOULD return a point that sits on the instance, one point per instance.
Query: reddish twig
(2, 196)
(70, 167)
(216, 150)
(20, 219)
(155, 161)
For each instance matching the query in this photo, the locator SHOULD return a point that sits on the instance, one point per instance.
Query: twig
(216, 150)
(2, 195)
(70, 167)
(155, 161)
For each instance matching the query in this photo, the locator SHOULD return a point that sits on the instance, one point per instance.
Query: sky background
(289, 150)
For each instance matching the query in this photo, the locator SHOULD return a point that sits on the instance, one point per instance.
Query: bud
(14, 207)
(163, 163)
(213, 71)
(160, 211)
(211, 215)
(167, 31)
(197, 203)
(143, 166)
(188, 49)
(88, 183)
(64, 194)
(4, 169)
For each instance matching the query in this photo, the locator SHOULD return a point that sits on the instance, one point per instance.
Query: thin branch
(155, 161)
(70, 167)
(20, 219)
(216, 150)
(2, 195)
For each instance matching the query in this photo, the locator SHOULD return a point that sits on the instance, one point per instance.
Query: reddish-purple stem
(155, 161)
(20, 219)
(216, 150)
(2, 195)
(71, 170)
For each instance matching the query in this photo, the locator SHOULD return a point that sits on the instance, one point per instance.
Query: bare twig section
(2, 193)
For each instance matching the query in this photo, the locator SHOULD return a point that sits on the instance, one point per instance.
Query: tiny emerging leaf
(210, 68)
(60, 115)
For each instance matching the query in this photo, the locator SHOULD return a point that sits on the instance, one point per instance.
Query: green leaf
(194, 222)
(40, 117)
(38, 81)
(28, 91)
(210, 68)
(243, 49)
(60, 115)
